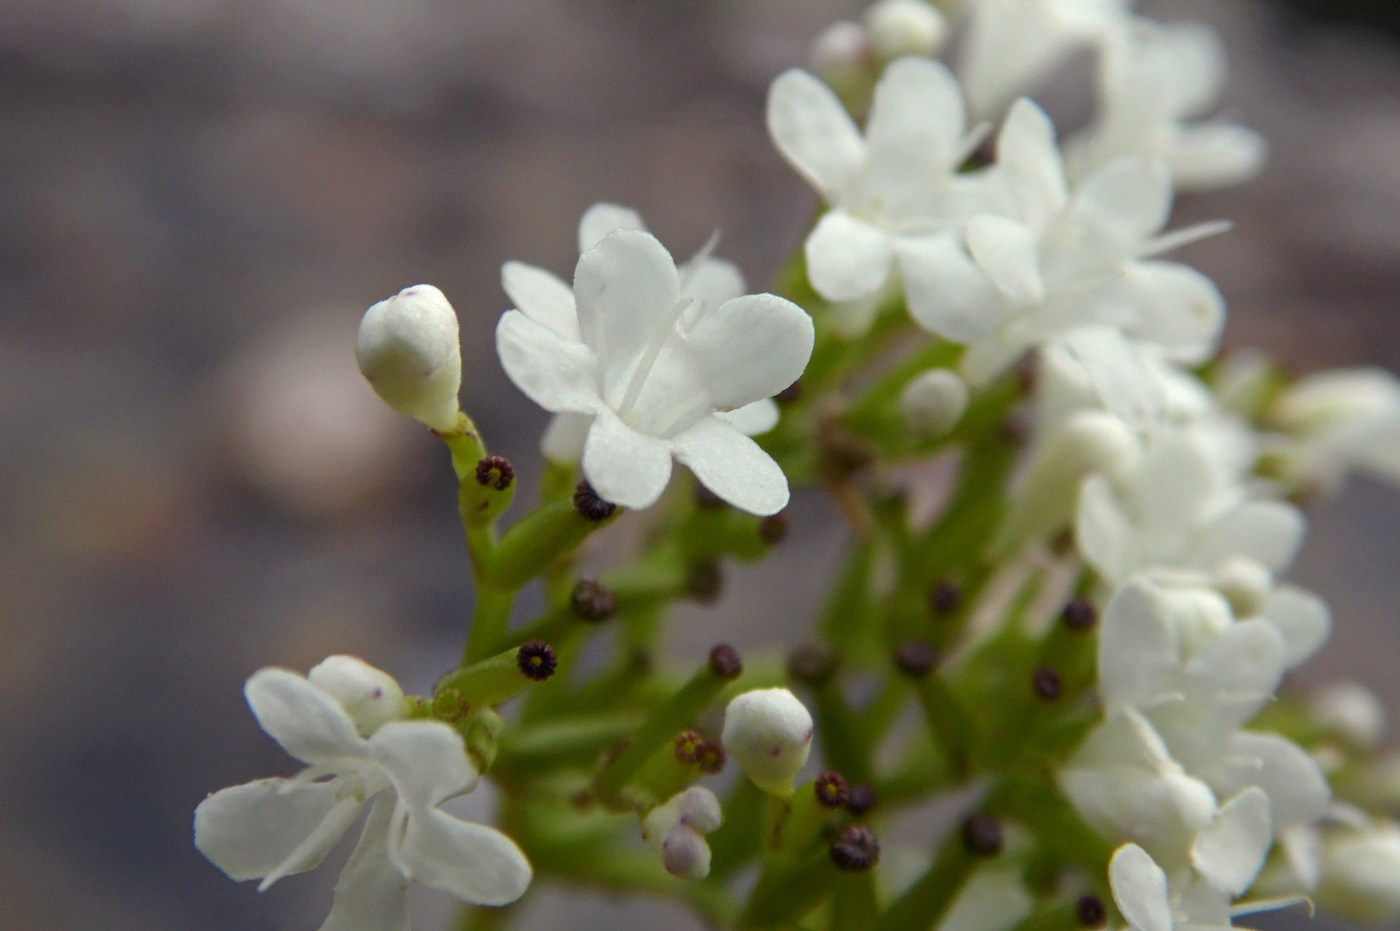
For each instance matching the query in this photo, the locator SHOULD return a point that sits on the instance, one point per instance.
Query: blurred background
(198, 199)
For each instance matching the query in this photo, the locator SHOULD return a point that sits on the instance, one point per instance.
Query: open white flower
(271, 828)
(1150, 903)
(1331, 422)
(656, 370)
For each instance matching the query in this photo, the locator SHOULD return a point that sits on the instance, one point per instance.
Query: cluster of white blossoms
(950, 211)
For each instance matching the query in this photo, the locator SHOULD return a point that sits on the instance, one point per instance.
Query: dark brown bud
(1091, 911)
(812, 664)
(1079, 614)
(712, 758)
(592, 507)
(705, 582)
(861, 799)
(593, 601)
(789, 394)
(945, 598)
(725, 661)
(1047, 684)
(1016, 427)
(495, 472)
(982, 835)
(773, 529)
(915, 658)
(688, 746)
(832, 790)
(537, 660)
(855, 849)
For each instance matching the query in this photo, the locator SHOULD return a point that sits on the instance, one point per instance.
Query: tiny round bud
(1091, 911)
(592, 507)
(945, 598)
(1079, 614)
(861, 800)
(537, 660)
(677, 830)
(593, 601)
(812, 663)
(410, 352)
(855, 849)
(688, 746)
(832, 790)
(768, 732)
(705, 582)
(839, 55)
(773, 529)
(1047, 684)
(495, 472)
(725, 661)
(1351, 711)
(905, 27)
(1245, 583)
(982, 835)
(369, 696)
(915, 658)
(712, 758)
(934, 402)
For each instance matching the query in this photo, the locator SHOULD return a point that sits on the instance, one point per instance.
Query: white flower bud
(768, 732)
(1198, 614)
(370, 696)
(410, 353)
(677, 828)
(840, 52)
(1361, 876)
(905, 27)
(934, 402)
(1352, 711)
(1245, 583)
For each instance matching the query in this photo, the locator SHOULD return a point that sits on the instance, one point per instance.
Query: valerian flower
(657, 371)
(410, 353)
(1332, 422)
(341, 721)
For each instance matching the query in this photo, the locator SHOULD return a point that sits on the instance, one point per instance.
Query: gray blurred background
(198, 198)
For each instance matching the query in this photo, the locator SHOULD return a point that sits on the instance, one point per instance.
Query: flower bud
(410, 353)
(905, 27)
(840, 53)
(370, 696)
(934, 402)
(677, 830)
(1351, 711)
(768, 732)
(1361, 876)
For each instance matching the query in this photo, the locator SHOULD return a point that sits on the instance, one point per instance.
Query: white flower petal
(1029, 160)
(1268, 532)
(1102, 531)
(308, 723)
(1123, 204)
(1230, 852)
(915, 127)
(626, 289)
(812, 130)
(1298, 791)
(260, 828)
(564, 437)
(1140, 889)
(751, 348)
(753, 419)
(624, 466)
(948, 293)
(426, 761)
(847, 258)
(711, 282)
(603, 218)
(1168, 304)
(1139, 656)
(556, 373)
(1215, 155)
(472, 862)
(733, 466)
(1301, 617)
(1240, 669)
(371, 894)
(1008, 252)
(542, 297)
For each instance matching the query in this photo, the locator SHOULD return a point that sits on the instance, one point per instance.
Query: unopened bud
(593, 601)
(855, 849)
(410, 352)
(934, 402)
(370, 696)
(1245, 583)
(839, 56)
(832, 790)
(1351, 711)
(982, 835)
(537, 660)
(677, 830)
(1091, 911)
(588, 504)
(861, 800)
(1361, 876)
(768, 732)
(905, 27)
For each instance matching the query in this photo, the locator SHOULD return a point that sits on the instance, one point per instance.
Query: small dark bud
(725, 661)
(1027, 373)
(855, 849)
(1047, 683)
(1062, 543)
(982, 836)
(789, 394)
(495, 472)
(593, 601)
(707, 500)
(945, 598)
(773, 529)
(861, 799)
(1091, 911)
(812, 664)
(688, 746)
(592, 507)
(537, 660)
(832, 790)
(915, 658)
(705, 582)
(1016, 427)
(1079, 614)
(712, 758)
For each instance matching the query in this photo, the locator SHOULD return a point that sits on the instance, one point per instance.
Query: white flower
(1153, 79)
(1148, 902)
(1361, 874)
(657, 371)
(905, 27)
(894, 194)
(677, 830)
(410, 353)
(1335, 421)
(1350, 710)
(271, 828)
(768, 732)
